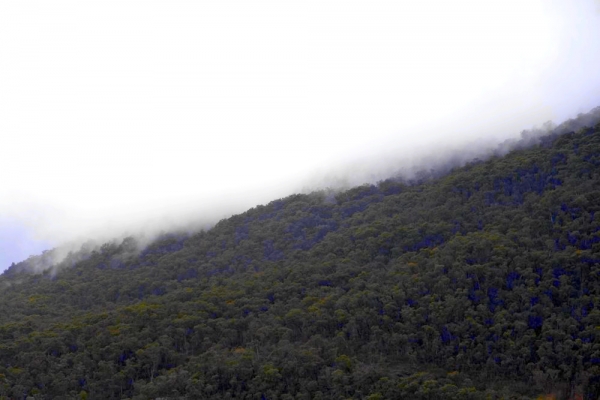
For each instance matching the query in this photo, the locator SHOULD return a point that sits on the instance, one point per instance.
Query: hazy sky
(116, 114)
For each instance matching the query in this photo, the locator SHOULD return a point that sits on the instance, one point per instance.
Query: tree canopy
(479, 283)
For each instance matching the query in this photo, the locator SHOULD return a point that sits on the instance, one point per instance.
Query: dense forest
(479, 283)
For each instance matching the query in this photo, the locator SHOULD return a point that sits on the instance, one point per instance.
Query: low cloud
(156, 118)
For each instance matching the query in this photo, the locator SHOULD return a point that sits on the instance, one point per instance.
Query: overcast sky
(125, 115)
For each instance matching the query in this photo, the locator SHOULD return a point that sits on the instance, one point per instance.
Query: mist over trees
(476, 279)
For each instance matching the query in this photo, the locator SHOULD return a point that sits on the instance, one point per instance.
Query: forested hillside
(482, 283)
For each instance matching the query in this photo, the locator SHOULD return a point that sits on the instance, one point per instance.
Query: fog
(120, 117)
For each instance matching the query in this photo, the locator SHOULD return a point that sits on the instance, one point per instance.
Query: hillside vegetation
(482, 283)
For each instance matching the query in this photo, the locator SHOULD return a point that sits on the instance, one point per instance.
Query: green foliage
(482, 283)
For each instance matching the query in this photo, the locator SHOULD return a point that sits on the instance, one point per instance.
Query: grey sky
(123, 115)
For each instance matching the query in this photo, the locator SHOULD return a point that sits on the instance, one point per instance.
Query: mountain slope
(482, 282)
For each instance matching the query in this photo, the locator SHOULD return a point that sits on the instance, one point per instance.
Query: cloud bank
(124, 116)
